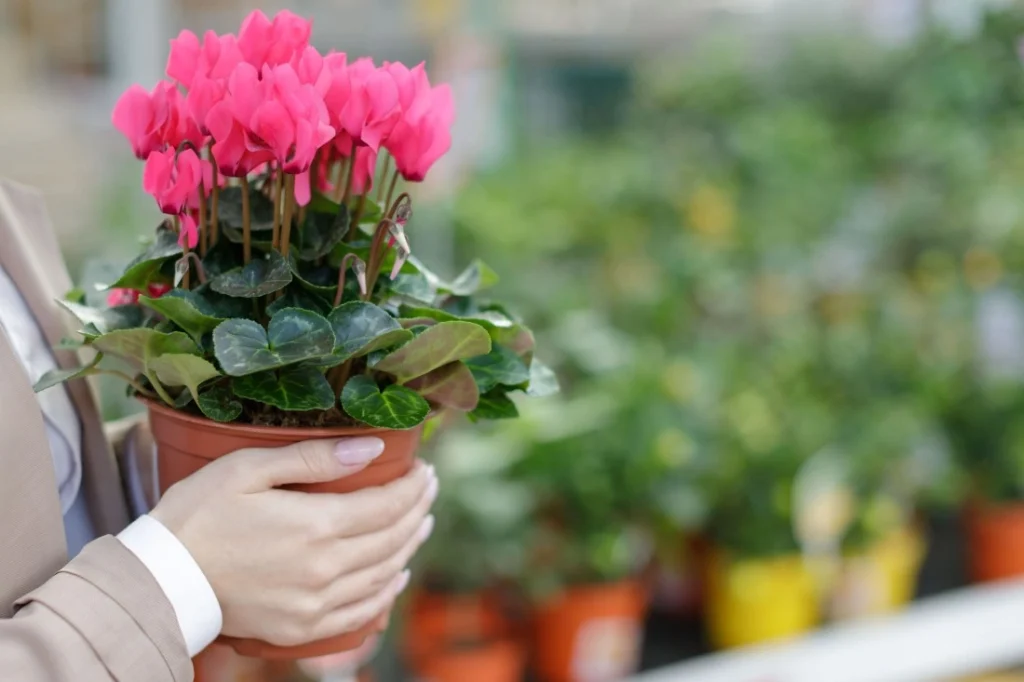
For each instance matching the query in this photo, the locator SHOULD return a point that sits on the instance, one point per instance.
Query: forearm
(102, 618)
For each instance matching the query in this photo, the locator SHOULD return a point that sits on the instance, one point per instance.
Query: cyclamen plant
(261, 298)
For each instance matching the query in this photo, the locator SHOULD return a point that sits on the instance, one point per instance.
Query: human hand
(289, 567)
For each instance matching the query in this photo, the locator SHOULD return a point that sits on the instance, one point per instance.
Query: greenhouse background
(774, 250)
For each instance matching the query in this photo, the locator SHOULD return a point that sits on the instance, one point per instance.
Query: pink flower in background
(312, 69)
(264, 42)
(189, 234)
(156, 290)
(153, 120)
(365, 166)
(118, 297)
(172, 179)
(215, 58)
(423, 134)
(371, 109)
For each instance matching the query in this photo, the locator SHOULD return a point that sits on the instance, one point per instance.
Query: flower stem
(139, 388)
(384, 178)
(184, 251)
(338, 376)
(204, 230)
(353, 222)
(246, 222)
(200, 270)
(351, 173)
(391, 191)
(289, 211)
(339, 178)
(278, 200)
(160, 390)
(376, 256)
(214, 197)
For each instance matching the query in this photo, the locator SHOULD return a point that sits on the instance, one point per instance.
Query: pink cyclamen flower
(174, 180)
(214, 58)
(157, 289)
(423, 134)
(153, 120)
(264, 42)
(371, 108)
(118, 297)
(363, 170)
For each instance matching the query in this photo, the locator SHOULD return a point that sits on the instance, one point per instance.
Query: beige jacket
(102, 617)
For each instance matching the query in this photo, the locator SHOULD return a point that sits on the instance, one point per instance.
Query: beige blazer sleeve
(101, 618)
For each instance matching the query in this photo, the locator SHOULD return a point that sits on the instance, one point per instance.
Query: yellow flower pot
(881, 579)
(755, 601)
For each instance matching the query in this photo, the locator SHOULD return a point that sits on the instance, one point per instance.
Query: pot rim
(301, 433)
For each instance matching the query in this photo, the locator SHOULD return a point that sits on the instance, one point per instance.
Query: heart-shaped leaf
(412, 287)
(499, 367)
(103, 320)
(178, 369)
(218, 403)
(321, 281)
(183, 313)
(543, 381)
(260, 277)
(321, 233)
(209, 302)
(435, 347)
(229, 210)
(140, 346)
(296, 297)
(494, 405)
(449, 386)
(471, 280)
(244, 347)
(145, 268)
(59, 376)
(295, 389)
(397, 407)
(361, 328)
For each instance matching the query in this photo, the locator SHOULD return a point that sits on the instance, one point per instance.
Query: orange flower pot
(500, 660)
(995, 538)
(590, 633)
(186, 443)
(438, 621)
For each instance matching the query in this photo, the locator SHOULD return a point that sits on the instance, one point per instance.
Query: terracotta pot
(755, 601)
(590, 633)
(501, 660)
(187, 443)
(995, 538)
(438, 621)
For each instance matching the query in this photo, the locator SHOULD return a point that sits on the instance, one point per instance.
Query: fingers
(354, 616)
(365, 551)
(365, 511)
(313, 461)
(359, 585)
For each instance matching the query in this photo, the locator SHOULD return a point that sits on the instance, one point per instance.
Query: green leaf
(260, 277)
(412, 287)
(76, 295)
(361, 328)
(321, 204)
(320, 234)
(244, 347)
(494, 322)
(299, 298)
(321, 281)
(397, 407)
(450, 386)
(471, 280)
(145, 268)
(183, 313)
(178, 369)
(140, 346)
(499, 367)
(543, 381)
(494, 405)
(435, 347)
(209, 302)
(59, 376)
(218, 403)
(105, 320)
(296, 389)
(229, 210)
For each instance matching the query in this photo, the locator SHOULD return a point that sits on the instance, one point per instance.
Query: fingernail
(358, 451)
(402, 581)
(432, 488)
(426, 528)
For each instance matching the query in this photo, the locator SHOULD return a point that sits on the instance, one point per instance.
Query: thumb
(311, 461)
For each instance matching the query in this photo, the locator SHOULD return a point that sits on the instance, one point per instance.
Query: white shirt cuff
(180, 578)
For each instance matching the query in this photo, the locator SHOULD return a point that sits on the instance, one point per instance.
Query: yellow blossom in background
(680, 381)
(982, 268)
(711, 213)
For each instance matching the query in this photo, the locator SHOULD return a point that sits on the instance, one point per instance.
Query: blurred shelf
(965, 632)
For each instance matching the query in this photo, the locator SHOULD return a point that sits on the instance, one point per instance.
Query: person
(223, 551)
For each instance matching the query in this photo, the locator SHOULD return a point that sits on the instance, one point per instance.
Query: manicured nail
(432, 489)
(402, 581)
(358, 451)
(426, 528)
